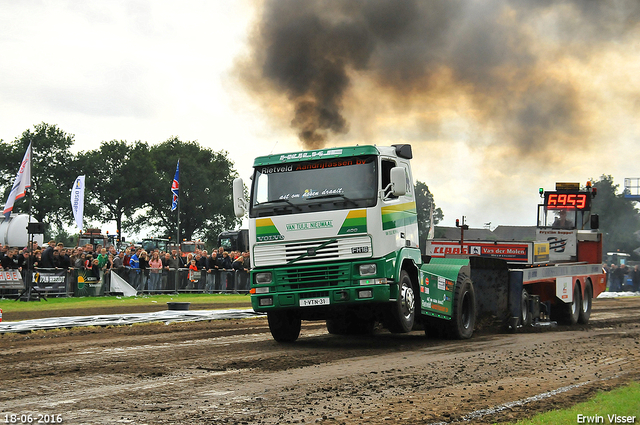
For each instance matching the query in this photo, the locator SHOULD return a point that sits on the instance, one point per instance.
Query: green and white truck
(334, 236)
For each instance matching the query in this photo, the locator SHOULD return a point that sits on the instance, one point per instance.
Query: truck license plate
(309, 302)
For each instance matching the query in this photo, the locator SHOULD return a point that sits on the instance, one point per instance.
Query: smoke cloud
(511, 63)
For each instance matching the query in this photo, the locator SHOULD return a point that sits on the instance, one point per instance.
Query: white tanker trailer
(13, 232)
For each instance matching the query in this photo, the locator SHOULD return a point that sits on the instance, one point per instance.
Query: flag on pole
(77, 201)
(175, 187)
(20, 185)
(431, 224)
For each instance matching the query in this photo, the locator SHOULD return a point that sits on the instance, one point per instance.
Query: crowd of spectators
(622, 277)
(145, 271)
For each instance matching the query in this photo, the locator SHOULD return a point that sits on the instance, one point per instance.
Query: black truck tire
(525, 313)
(284, 325)
(569, 313)
(401, 314)
(585, 305)
(463, 319)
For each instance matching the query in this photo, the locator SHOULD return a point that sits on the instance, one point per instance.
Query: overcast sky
(150, 70)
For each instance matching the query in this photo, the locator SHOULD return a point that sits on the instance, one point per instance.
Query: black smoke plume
(495, 53)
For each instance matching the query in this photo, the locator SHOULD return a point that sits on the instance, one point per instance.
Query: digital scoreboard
(567, 200)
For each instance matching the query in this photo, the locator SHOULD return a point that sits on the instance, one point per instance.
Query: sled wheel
(585, 306)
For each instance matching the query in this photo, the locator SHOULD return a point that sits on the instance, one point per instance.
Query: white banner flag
(20, 185)
(77, 201)
(118, 284)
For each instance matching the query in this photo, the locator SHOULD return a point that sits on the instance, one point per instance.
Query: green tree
(424, 202)
(53, 170)
(206, 179)
(118, 178)
(619, 217)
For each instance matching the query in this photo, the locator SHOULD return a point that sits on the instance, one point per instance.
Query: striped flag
(175, 187)
(20, 185)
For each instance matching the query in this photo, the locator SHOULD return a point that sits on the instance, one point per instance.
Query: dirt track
(233, 372)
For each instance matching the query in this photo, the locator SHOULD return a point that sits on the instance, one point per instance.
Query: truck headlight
(263, 277)
(368, 269)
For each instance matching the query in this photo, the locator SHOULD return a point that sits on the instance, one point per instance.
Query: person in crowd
(37, 258)
(155, 270)
(617, 275)
(193, 269)
(46, 261)
(246, 261)
(238, 263)
(102, 258)
(201, 263)
(226, 283)
(23, 256)
(211, 272)
(226, 261)
(118, 263)
(127, 256)
(623, 270)
(95, 268)
(57, 264)
(635, 278)
(174, 265)
(164, 280)
(134, 270)
(10, 261)
(144, 268)
(80, 260)
(65, 261)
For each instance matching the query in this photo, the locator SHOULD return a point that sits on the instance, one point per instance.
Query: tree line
(128, 183)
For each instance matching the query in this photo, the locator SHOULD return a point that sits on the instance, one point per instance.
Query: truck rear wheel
(284, 325)
(463, 319)
(525, 313)
(585, 306)
(401, 314)
(569, 313)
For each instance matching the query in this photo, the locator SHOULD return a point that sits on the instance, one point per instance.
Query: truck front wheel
(284, 325)
(463, 319)
(401, 315)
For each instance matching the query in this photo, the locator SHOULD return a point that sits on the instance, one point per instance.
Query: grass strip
(8, 305)
(621, 405)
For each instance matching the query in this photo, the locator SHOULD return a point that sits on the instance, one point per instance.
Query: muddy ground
(232, 372)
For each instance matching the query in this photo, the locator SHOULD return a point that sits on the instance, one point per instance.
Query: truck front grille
(314, 251)
(308, 277)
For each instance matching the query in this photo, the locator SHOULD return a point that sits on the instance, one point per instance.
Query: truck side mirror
(595, 221)
(239, 203)
(398, 181)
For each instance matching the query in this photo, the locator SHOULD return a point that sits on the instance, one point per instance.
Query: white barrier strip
(167, 316)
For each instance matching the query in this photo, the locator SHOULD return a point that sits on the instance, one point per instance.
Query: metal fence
(79, 282)
(184, 280)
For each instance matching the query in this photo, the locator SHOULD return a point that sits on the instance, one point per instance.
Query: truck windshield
(310, 186)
